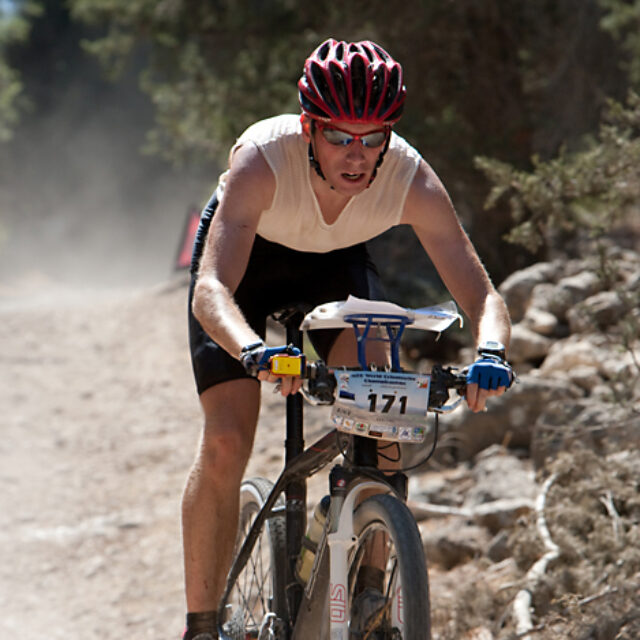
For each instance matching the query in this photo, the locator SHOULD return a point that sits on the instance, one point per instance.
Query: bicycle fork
(327, 614)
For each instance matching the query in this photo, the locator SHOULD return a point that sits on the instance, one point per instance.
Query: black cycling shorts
(277, 277)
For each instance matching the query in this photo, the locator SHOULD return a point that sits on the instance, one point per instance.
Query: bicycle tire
(258, 595)
(406, 614)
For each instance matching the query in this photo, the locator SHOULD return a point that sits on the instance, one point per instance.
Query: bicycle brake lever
(448, 408)
(314, 400)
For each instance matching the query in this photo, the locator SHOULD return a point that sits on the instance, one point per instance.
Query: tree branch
(522, 601)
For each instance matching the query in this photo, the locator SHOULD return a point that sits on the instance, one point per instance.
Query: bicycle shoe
(201, 626)
(365, 609)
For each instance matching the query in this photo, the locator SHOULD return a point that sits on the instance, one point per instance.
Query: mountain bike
(368, 530)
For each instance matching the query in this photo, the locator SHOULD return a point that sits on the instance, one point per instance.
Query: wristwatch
(492, 348)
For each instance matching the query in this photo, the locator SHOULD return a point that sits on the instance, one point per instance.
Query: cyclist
(301, 196)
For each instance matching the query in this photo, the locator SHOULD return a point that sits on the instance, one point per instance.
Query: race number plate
(382, 404)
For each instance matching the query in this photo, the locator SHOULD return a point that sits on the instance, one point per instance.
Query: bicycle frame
(300, 464)
(346, 487)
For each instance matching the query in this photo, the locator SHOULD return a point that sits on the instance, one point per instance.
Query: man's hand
(487, 377)
(256, 360)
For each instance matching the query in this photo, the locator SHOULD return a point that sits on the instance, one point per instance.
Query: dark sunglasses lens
(333, 136)
(374, 139)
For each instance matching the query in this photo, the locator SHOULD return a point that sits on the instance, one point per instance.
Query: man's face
(347, 167)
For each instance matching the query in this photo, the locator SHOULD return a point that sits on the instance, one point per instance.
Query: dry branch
(504, 509)
(607, 501)
(522, 601)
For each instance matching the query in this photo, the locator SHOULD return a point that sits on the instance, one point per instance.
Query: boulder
(454, 543)
(527, 345)
(551, 298)
(593, 350)
(598, 311)
(509, 417)
(575, 351)
(581, 286)
(498, 475)
(540, 321)
(517, 288)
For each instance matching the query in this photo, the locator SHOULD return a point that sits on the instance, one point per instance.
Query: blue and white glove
(255, 357)
(490, 372)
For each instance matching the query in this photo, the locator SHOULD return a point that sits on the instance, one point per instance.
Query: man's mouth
(353, 177)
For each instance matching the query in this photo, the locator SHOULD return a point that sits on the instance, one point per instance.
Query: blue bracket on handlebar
(395, 326)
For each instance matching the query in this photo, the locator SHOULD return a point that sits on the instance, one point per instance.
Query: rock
(502, 514)
(591, 350)
(540, 321)
(586, 423)
(454, 543)
(586, 377)
(575, 351)
(517, 288)
(499, 548)
(581, 286)
(551, 298)
(509, 417)
(504, 489)
(499, 475)
(596, 312)
(527, 346)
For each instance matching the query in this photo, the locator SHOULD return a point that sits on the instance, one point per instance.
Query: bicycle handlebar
(321, 381)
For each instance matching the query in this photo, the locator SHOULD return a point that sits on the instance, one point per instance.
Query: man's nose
(356, 150)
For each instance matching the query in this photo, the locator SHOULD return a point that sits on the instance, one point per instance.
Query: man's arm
(428, 209)
(249, 191)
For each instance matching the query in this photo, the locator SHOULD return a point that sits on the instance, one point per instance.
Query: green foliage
(622, 21)
(573, 204)
(213, 67)
(575, 194)
(14, 29)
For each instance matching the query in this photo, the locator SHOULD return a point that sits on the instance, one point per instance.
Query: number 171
(389, 400)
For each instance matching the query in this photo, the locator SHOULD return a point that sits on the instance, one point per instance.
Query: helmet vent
(382, 53)
(339, 85)
(323, 89)
(323, 51)
(392, 91)
(358, 85)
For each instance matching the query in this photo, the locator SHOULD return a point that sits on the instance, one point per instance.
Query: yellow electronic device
(285, 365)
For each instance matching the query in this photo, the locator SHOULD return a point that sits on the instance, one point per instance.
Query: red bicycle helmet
(355, 82)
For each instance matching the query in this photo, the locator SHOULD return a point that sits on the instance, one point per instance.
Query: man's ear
(306, 127)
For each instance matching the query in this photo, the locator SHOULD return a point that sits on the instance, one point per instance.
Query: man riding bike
(301, 196)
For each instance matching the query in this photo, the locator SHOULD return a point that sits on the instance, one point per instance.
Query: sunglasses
(340, 138)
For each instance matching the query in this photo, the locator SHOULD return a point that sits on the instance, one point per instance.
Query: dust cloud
(81, 207)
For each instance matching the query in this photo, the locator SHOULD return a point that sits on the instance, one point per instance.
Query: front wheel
(256, 605)
(398, 607)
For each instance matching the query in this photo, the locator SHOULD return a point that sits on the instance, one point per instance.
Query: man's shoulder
(263, 131)
(399, 145)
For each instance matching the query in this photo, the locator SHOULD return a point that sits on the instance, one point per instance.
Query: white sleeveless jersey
(294, 218)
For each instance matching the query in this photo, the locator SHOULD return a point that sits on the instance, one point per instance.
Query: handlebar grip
(442, 380)
(322, 382)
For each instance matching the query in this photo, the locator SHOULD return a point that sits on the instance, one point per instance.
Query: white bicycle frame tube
(340, 542)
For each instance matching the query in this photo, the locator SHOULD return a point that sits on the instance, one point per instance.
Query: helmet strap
(314, 163)
(312, 157)
(380, 159)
